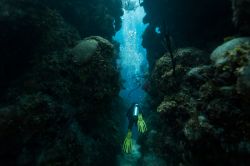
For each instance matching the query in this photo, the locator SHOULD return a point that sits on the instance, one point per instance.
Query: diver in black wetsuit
(134, 115)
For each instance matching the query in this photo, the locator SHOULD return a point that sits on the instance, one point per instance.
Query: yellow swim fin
(127, 145)
(142, 127)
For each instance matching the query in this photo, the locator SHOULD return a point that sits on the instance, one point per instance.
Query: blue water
(133, 67)
(132, 61)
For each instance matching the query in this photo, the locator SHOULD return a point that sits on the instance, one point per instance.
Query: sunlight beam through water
(132, 60)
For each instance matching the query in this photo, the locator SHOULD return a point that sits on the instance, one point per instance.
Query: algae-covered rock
(209, 112)
(86, 48)
(166, 106)
(220, 55)
(199, 74)
(162, 78)
(232, 61)
(191, 56)
(54, 111)
(58, 106)
(84, 51)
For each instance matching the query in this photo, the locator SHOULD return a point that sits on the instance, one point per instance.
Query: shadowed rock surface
(58, 92)
(241, 16)
(60, 83)
(201, 115)
(190, 23)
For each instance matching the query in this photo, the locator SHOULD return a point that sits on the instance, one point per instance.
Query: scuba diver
(134, 115)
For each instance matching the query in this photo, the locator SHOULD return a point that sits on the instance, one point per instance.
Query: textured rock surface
(200, 116)
(33, 28)
(59, 110)
(83, 51)
(90, 47)
(54, 111)
(162, 78)
(219, 55)
(206, 120)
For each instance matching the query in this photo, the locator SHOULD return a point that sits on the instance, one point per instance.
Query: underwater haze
(132, 60)
(124, 83)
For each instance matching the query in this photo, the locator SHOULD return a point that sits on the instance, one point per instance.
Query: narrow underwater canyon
(70, 71)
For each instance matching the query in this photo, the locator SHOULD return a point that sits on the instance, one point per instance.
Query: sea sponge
(88, 47)
(83, 51)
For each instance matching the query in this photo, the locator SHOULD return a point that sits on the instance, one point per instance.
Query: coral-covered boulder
(232, 62)
(162, 78)
(55, 112)
(220, 55)
(85, 49)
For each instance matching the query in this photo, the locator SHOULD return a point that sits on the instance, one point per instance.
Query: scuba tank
(136, 110)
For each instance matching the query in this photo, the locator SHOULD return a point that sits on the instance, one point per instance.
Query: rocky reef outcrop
(59, 81)
(31, 27)
(201, 24)
(60, 111)
(199, 112)
(162, 78)
(201, 116)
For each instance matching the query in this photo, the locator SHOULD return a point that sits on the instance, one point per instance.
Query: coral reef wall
(200, 115)
(31, 27)
(57, 83)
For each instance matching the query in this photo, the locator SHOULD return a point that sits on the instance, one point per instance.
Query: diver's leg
(135, 120)
(130, 124)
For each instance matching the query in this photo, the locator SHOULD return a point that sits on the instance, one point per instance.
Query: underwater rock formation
(201, 114)
(57, 91)
(85, 50)
(191, 23)
(162, 79)
(206, 121)
(220, 55)
(31, 28)
(59, 111)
